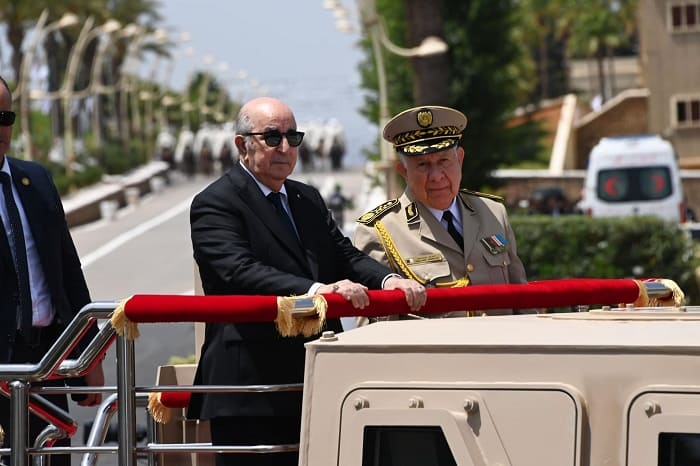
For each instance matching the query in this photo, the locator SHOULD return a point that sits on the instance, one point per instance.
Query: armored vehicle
(606, 387)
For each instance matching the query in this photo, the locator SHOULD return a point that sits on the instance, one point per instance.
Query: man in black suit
(247, 242)
(42, 286)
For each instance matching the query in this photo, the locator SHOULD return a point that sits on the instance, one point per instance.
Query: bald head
(260, 108)
(270, 165)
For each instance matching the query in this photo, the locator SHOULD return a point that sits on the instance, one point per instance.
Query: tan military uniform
(404, 233)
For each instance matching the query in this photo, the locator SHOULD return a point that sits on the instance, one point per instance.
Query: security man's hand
(94, 378)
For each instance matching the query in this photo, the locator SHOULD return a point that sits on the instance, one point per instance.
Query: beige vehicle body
(595, 388)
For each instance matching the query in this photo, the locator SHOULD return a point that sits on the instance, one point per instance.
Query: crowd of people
(211, 150)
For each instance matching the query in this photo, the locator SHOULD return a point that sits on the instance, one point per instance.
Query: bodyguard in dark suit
(42, 286)
(256, 232)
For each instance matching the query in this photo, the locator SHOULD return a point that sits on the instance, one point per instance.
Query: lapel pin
(25, 181)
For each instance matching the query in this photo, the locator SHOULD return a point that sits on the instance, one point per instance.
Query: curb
(83, 206)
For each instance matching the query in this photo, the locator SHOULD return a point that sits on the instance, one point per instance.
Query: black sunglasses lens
(272, 138)
(7, 118)
(294, 138)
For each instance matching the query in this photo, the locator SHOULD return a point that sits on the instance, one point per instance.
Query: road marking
(125, 237)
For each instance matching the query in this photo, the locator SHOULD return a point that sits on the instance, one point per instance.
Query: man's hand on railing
(416, 296)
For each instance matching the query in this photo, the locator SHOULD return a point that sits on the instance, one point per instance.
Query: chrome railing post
(99, 429)
(19, 415)
(50, 432)
(126, 395)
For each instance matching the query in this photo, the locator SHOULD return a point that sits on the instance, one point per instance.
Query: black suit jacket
(242, 247)
(59, 259)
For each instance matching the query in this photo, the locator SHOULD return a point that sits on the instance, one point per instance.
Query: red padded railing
(537, 294)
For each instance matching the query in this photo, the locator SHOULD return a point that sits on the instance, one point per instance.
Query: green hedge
(578, 246)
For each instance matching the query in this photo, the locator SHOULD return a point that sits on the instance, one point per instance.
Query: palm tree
(597, 27)
(18, 15)
(542, 29)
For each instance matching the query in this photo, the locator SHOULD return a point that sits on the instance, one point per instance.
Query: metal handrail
(55, 360)
(56, 365)
(53, 364)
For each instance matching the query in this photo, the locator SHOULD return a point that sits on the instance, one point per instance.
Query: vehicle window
(405, 446)
(634, 184)
(679, 449)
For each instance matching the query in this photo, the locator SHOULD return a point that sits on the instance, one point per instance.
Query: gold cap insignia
(25, 181)
(424, 118)
(424, 130)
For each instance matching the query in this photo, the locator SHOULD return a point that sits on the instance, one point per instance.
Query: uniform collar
(454, 208)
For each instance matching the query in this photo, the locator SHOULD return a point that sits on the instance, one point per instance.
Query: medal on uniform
(495, 244)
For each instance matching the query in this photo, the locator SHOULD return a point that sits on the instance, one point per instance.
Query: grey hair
(402, 158)
(244, 124)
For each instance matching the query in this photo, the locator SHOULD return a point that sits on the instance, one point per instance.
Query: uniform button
(505, 263)
(470, 267)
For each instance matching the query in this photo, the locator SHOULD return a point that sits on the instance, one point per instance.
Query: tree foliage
(596, 28)
(503, 54)
(490, 74)
(576, 246)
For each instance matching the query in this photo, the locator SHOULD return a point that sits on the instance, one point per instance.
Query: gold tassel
(643, 298)
(124, 327)
(160, 413)
(2, 436)
(288, 325)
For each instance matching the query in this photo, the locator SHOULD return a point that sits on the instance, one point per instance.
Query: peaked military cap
(424, 130)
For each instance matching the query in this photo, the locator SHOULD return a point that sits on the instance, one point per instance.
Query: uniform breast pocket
(497, 266)
(431, 270)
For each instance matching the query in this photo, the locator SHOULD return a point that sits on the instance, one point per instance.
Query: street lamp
(127, 85)
(97, 87)
(166, 100)
(41, 29)
(150, 94)
(130, 30)
(87, 34)
(204, 85)
(371, 22)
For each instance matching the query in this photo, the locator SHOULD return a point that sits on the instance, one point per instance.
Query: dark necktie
(276, 199)
(19, 254)
(456, 235)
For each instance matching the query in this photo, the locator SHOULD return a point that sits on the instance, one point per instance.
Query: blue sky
(291, 47)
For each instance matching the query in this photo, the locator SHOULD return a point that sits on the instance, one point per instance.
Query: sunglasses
(273, 137)
(7, 118)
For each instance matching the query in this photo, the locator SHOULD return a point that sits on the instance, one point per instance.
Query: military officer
(437, 233)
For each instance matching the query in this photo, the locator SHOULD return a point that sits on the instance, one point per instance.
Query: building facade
(670, 61)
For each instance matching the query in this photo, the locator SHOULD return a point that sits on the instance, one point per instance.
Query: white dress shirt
(42, 309)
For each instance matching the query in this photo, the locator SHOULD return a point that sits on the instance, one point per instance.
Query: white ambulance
(633, 175)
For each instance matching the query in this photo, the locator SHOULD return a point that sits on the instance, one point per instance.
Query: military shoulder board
(369, 217)
(486, 195)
